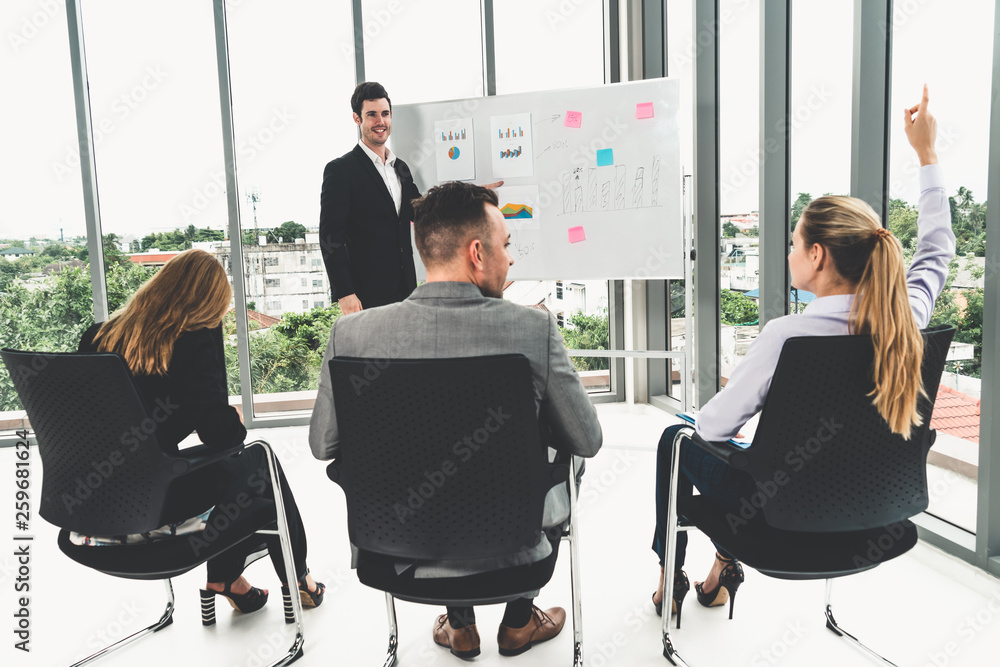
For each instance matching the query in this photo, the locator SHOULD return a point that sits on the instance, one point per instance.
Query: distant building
(14, 253)
(743, 221)
(281, 277)
(57, 267)
(562, 298)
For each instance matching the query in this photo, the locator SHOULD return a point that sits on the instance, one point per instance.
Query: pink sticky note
(576, 235)
(644, 110)
(573, 119)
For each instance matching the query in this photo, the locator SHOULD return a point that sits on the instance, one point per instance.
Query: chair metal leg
(837, 630)
(295, 650)
(669, 652)
(390, 610)
(574, 569)
(166, 619)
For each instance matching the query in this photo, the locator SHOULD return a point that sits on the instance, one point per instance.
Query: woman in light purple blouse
(854, 266)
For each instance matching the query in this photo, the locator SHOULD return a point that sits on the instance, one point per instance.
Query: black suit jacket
(366, 245)
(192, 396)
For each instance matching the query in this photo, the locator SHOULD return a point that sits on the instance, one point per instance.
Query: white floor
(925, 609)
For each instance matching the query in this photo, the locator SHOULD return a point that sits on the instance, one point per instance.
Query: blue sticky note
(605, 157)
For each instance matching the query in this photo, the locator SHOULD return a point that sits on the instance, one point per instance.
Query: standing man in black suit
(365, 212)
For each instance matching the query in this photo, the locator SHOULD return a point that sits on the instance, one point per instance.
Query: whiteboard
(597, 201)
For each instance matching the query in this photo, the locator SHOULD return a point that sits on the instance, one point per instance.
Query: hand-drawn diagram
(611, 188)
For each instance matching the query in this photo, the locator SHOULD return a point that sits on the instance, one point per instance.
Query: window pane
(954, 73)
(739, 168)
(287, 128)
(821, 94)
(581, 311)
(423, 51)
(45, 295)
(157, 135)
(550, 33)
(548, 45)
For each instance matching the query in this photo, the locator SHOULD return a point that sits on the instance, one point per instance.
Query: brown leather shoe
(463, 642)
(544, 625)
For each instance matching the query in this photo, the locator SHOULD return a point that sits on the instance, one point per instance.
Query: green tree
(310, 329)
(588, 332)
(50, 318)
(737, 308)
(902, 221)
(286, 232)
(798, 206)
(277, 363)
(56, 252)
(113, 254)
(729, 230)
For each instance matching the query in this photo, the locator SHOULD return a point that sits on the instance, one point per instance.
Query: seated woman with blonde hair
(854, 266)
(170, 334)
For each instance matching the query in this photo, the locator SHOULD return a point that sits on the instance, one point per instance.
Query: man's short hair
(369, 90)
(449, 216)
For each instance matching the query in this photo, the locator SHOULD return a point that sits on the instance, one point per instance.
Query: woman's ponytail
(870, 257)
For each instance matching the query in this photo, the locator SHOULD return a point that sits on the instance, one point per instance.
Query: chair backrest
(440, 459)
(104, 472)
(823, 458)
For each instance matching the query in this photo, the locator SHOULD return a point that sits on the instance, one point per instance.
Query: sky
(155, 98)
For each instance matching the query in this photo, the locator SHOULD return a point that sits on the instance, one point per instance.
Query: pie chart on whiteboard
(453, 152)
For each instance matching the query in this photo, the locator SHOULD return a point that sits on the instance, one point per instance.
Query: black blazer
(192, 396)
(366, 245)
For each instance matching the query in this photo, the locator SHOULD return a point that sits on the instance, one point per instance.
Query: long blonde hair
(190, 292)
(867, 255)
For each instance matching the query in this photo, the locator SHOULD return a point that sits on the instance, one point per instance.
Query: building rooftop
(153, 258)
(265, 321)
(956, 414)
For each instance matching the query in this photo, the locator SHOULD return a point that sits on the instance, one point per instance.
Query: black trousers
(518, 612)
(245, 477)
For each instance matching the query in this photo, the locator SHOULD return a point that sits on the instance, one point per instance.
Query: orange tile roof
(263, 320)
(153, 259)
(956, 414)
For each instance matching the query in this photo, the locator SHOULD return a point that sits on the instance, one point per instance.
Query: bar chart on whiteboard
(591, 176)
(510, 144)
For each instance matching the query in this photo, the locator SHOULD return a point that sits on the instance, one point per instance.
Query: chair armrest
(725, 451)
(199, 456)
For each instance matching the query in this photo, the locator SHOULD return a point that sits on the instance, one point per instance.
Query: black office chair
(833, 479)
(105, 475)
(440, 460)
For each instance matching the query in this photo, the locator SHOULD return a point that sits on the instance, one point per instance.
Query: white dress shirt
(724, 415)
(387, 169)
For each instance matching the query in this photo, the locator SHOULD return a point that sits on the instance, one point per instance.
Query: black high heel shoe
(248, 602)
(729, 582)
(307, 597)
(681, 587)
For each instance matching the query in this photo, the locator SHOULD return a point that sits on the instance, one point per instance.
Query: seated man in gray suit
(462, 238)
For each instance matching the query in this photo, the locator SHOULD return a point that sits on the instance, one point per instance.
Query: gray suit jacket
(454, 319)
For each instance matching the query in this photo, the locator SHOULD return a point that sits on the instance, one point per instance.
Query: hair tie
(882, 233)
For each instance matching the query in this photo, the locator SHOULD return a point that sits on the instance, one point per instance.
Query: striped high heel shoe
(248, 602)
